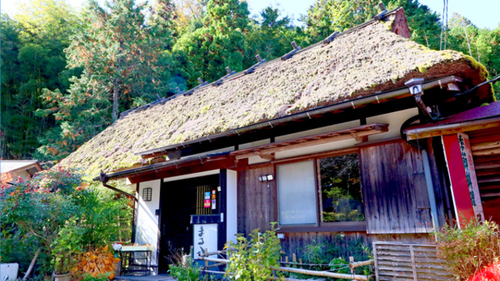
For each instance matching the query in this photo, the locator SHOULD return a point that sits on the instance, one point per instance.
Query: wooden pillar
(464, 187)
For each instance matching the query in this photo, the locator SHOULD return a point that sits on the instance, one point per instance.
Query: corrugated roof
(358, 63)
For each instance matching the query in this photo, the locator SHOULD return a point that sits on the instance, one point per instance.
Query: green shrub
(470, 248)
(252, 259)
(188, 272)
(58, 213)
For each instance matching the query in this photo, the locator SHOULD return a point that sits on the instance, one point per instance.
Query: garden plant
(471, 251)
(50, 221)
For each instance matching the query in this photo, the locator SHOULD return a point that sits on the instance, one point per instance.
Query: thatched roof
(357, 63)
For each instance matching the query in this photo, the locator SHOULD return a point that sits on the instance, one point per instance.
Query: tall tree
(32, 59)
(328, 16)
(424, 23)
(219, 41)
(120, 52)
(270, 36)
(188, 11)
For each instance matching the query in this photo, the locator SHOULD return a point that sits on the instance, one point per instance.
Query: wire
(479, 85)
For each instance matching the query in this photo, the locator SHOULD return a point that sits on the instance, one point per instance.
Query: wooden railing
(216, 262)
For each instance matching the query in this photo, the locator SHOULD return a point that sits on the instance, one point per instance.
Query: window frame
(320, 226)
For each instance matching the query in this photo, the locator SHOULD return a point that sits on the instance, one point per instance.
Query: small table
(136, 259)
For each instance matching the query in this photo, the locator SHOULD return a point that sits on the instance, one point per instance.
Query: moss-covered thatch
(355, 64)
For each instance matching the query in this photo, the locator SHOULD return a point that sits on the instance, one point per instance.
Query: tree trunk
(116, 91)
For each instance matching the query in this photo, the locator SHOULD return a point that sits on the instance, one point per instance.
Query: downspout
(104, 179)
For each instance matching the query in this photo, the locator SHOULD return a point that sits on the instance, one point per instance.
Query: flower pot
(61, 277)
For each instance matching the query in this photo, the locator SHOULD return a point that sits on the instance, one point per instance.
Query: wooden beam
(491, 194)
(486, 145)
(489, 187)
(267, 149)
(429, 132)
(488, 172)
(488, 136)
(486, 152)
(269, 157)
(187, 168)
(487, 165)
(488, 180)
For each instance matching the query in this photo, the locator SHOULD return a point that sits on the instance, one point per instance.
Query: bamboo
(304, 271)
(360, 263)
(32, 264)
(322, 273)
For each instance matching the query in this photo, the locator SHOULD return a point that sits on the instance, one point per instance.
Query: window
(320, 192)
(341, 196)
(297, 193)
(147, 194)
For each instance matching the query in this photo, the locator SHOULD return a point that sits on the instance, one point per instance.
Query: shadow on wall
(147, 228)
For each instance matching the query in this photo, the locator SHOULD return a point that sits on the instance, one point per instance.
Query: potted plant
(117, 247)
(64, 250)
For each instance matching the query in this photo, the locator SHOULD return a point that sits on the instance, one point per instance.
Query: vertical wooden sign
(464, 187)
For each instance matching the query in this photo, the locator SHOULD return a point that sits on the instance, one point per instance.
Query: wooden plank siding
(486, 152)
(298, 243)
(395, 190)
(397, 207)
(256, 208)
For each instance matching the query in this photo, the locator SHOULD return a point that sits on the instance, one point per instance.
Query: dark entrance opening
(178, 201)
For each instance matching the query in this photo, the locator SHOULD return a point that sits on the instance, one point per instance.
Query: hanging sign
(470, 175)
(207, 200)
(213, 200)
(462, 177)
(205, 238)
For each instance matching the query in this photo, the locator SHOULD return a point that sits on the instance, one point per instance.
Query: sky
(482, 13)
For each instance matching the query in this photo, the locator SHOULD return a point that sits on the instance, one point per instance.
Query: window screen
(147, 194)
(297, 193)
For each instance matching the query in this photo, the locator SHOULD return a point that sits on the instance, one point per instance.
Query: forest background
(66, 73)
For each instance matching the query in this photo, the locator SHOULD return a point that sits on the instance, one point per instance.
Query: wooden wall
(298, 243)
(485, 146)
(255, 200)
(394, 189)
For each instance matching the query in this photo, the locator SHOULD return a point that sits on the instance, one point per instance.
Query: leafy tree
(220, 40)
(32, 59)
(270, 36)
(481, 44)
(188, 11)
(424, 23)
(121, 53)
(328, 16)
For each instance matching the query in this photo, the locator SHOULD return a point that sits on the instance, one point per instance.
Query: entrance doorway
(179, 200)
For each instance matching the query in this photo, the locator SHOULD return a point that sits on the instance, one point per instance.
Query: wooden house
(13, 170)
(321, 141)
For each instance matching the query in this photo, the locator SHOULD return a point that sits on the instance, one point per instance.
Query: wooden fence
(216, 262)
(397, 261)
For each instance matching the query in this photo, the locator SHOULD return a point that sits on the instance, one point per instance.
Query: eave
(225, 139)
(484, 117)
